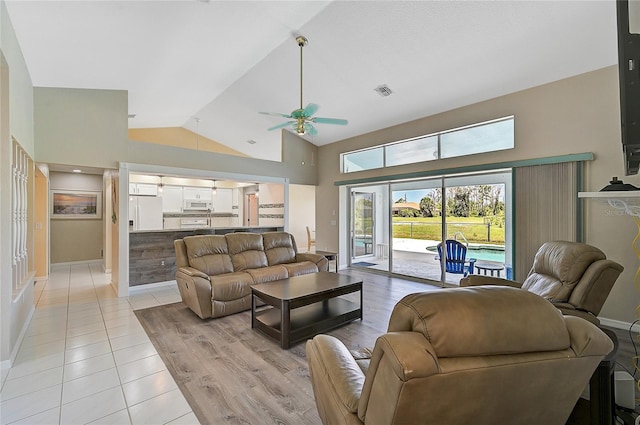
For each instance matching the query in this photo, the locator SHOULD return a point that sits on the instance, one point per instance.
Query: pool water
(486, 254)
(481, 254)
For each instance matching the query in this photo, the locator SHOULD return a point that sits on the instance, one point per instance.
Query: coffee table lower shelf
(307, 321)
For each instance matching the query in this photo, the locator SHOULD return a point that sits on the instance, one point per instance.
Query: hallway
(86, 359)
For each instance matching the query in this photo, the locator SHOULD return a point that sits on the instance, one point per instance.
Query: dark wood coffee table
(303, 306)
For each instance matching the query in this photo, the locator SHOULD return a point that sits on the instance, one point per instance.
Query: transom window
(483, 137)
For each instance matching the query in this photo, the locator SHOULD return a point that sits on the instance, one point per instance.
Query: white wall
(302, 213)
(16, 120)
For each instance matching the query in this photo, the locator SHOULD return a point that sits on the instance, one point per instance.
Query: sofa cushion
(230, 286)
(558, 267)
(303, 267)
(279, 247)
(246, 250)
(268, 274)
(209, 254)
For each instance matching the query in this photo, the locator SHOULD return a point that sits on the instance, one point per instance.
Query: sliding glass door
(369, 235)
(398, 226)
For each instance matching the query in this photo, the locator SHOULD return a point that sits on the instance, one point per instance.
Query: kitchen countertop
(197, 214)
(200, 228)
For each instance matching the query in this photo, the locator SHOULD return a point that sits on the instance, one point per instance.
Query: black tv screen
(628, 12)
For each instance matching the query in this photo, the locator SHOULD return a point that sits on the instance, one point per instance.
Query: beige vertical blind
(546, 209)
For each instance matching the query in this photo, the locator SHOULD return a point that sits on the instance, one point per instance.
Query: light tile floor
(85, 358)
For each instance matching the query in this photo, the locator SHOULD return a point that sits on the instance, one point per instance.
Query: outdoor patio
(411, 258)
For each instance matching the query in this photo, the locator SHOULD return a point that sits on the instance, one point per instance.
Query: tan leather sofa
(574, 276)
(215, 272)
(482, 355)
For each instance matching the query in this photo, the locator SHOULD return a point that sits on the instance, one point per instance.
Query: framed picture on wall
(76, 204)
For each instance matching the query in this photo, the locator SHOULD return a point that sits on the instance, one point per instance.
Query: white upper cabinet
(172, 199)
(146, 189)
(197, 193)
(223, 201)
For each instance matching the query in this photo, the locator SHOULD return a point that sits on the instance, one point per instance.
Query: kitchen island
(152, 257)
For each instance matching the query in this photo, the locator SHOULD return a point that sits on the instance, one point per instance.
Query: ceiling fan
(301, 119)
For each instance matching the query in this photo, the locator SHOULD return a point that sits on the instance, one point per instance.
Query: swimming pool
(481, 253)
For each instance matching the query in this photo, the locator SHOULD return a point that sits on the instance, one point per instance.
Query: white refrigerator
(145, 213)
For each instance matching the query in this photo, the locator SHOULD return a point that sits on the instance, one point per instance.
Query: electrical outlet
(162, 263)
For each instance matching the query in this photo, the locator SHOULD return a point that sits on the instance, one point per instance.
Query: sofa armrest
(334, 372)
(191, 272)
(478, 280)
(319, 260)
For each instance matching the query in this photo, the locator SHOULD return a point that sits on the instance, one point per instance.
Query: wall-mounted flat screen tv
(629, 70)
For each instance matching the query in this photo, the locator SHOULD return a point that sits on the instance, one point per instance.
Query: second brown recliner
(574, 276)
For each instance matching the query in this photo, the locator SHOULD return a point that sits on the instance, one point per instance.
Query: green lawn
(473, 229)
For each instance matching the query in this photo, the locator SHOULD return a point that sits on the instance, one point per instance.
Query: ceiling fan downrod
(302, 41)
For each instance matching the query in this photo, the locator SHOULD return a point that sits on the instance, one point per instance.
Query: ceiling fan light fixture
(302, 119)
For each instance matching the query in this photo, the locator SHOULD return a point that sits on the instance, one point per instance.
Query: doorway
(251, 208)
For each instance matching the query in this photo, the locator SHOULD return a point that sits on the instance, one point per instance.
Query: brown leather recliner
(574, 276)
(482, 355)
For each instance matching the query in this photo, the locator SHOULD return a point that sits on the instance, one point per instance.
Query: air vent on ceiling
(383, 90)
(251, 142)
(131, 115)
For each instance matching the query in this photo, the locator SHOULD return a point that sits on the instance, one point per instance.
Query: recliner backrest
(489, 321)
(208, 254)
(558, 267)
(280, 247)
(246, 250)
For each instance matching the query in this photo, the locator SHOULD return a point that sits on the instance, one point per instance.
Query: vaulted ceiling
(211, 66)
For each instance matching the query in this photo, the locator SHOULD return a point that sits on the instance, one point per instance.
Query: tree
(428, 207)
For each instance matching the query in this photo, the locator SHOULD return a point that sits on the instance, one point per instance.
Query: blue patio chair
(456, 259)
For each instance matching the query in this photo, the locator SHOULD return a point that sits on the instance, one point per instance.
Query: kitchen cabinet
(223, 201)
(143, 189)
(172, 199)
(197, 193)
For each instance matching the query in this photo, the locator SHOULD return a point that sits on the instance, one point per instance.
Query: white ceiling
(223, 61)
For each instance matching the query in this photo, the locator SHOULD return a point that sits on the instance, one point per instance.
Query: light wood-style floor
(231, 373)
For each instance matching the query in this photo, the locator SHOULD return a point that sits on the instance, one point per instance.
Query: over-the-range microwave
(195, 205)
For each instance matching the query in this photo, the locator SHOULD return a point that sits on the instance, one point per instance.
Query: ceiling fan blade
(310, 130)
(336, 121)
(284, 124)
(310, 109)
(275, 114)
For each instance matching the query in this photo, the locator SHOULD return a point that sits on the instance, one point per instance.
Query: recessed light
(77, 171)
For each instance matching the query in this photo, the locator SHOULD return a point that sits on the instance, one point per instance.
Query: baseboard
(74, 263)
(618, 324)
(151, 285)
(41, 278)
